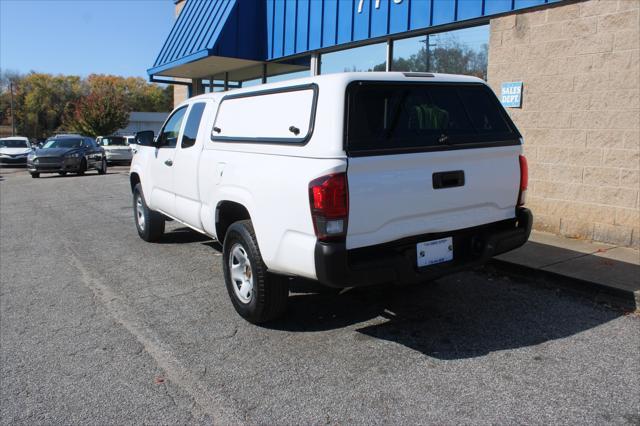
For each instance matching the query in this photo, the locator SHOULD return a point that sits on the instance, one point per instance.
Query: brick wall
(180, 92)
(580, 115)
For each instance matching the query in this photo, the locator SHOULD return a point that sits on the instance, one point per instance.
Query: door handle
(168, 163)
(448, 179)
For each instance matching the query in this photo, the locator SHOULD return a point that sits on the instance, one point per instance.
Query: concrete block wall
(580, 116)
(180, 92)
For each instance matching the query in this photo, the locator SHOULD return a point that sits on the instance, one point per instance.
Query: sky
(80, 37)
(123, 37)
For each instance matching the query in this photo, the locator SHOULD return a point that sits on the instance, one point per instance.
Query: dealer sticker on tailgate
(436, 251)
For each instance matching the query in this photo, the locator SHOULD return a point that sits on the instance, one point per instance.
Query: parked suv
(349, 179)
(116, 148)
(67, 153)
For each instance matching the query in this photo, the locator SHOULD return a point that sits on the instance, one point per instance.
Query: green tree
(42, 100)
(7, 79)
(102, 110)
(143, 96)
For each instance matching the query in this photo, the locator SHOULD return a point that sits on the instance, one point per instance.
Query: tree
(143, 96)
(41, 102)
(103, 110)
(8, 80)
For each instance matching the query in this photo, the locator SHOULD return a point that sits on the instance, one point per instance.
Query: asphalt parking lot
(100, 327)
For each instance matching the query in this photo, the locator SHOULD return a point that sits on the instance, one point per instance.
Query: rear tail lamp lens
(524, 180)
(329, 201)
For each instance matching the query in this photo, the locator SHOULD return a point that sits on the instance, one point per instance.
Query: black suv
(67, 153)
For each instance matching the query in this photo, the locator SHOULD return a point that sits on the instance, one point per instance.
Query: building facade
(141, 120)
(567, 70)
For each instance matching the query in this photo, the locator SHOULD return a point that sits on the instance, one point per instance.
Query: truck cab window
(192, 126)
(168, 137)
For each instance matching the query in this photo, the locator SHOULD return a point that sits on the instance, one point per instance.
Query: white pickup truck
(349, 179)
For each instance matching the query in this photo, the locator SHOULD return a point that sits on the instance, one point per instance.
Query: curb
(600, 293)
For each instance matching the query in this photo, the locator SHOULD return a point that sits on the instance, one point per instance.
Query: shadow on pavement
(184, 235)
(466, 315)
(448, 318)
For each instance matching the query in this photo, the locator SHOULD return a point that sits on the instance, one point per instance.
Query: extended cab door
(161, 163)
(185, 165)
(427, 158)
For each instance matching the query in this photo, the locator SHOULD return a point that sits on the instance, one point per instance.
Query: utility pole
(427, 48)
(13, 113)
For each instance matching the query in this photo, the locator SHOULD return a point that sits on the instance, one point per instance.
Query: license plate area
(434, 252)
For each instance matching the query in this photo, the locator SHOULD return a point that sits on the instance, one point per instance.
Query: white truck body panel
(390, 196)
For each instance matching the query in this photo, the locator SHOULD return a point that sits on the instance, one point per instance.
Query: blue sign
(511, 94)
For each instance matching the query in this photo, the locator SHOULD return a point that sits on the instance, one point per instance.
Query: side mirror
(145, 138)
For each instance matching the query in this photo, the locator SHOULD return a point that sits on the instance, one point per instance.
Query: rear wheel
(103, 168)
(35, 175)
(62, 173)
(82, 168)
(150, 224)
(257, 295)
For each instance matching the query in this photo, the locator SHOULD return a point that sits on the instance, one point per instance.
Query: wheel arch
(226, 213)
(134, 179)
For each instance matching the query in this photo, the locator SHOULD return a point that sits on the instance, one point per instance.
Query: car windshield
(111, 141)
(13, 143)
(63, 143)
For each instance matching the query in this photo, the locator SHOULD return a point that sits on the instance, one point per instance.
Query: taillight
(524, 180)
(329, 200)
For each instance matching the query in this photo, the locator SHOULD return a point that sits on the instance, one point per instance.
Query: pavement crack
(214, 405)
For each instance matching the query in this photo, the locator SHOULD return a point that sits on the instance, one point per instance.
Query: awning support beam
(315, 64)
(153, 79)
(389, 55)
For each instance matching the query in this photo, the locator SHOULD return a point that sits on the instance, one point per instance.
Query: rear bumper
(118, 156)
(396, 261)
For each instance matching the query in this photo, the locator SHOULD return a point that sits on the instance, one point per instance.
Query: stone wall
(580, 114)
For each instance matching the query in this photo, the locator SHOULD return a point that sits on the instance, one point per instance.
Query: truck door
(161, 163)
(185, 166)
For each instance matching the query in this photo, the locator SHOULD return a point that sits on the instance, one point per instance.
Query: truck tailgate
(397, 196)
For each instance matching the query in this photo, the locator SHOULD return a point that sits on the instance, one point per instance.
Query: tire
(62, 173)
(82, 168)
(35, 175)
(150, 224)
(103, 168)
(267, 296)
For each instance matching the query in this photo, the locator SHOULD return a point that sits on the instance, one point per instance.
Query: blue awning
(214, 37)
(207, 28)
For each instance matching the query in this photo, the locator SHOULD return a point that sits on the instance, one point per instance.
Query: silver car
(116, 148)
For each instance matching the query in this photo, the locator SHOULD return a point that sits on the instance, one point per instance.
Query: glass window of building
(288, 76)
(365, 58)
(456, 52)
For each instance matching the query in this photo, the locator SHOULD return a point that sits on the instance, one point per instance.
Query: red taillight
(329, 200)
(524, 180)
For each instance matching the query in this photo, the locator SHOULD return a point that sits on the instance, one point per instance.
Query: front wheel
(35, 175)
(62, 173)
(150, 224)
(257, 295)
(82, 167)
(103, 168)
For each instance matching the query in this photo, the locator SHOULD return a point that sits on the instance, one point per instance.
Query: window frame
(516, 140)
(186, 123)
(184, 107)
(295, 141)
